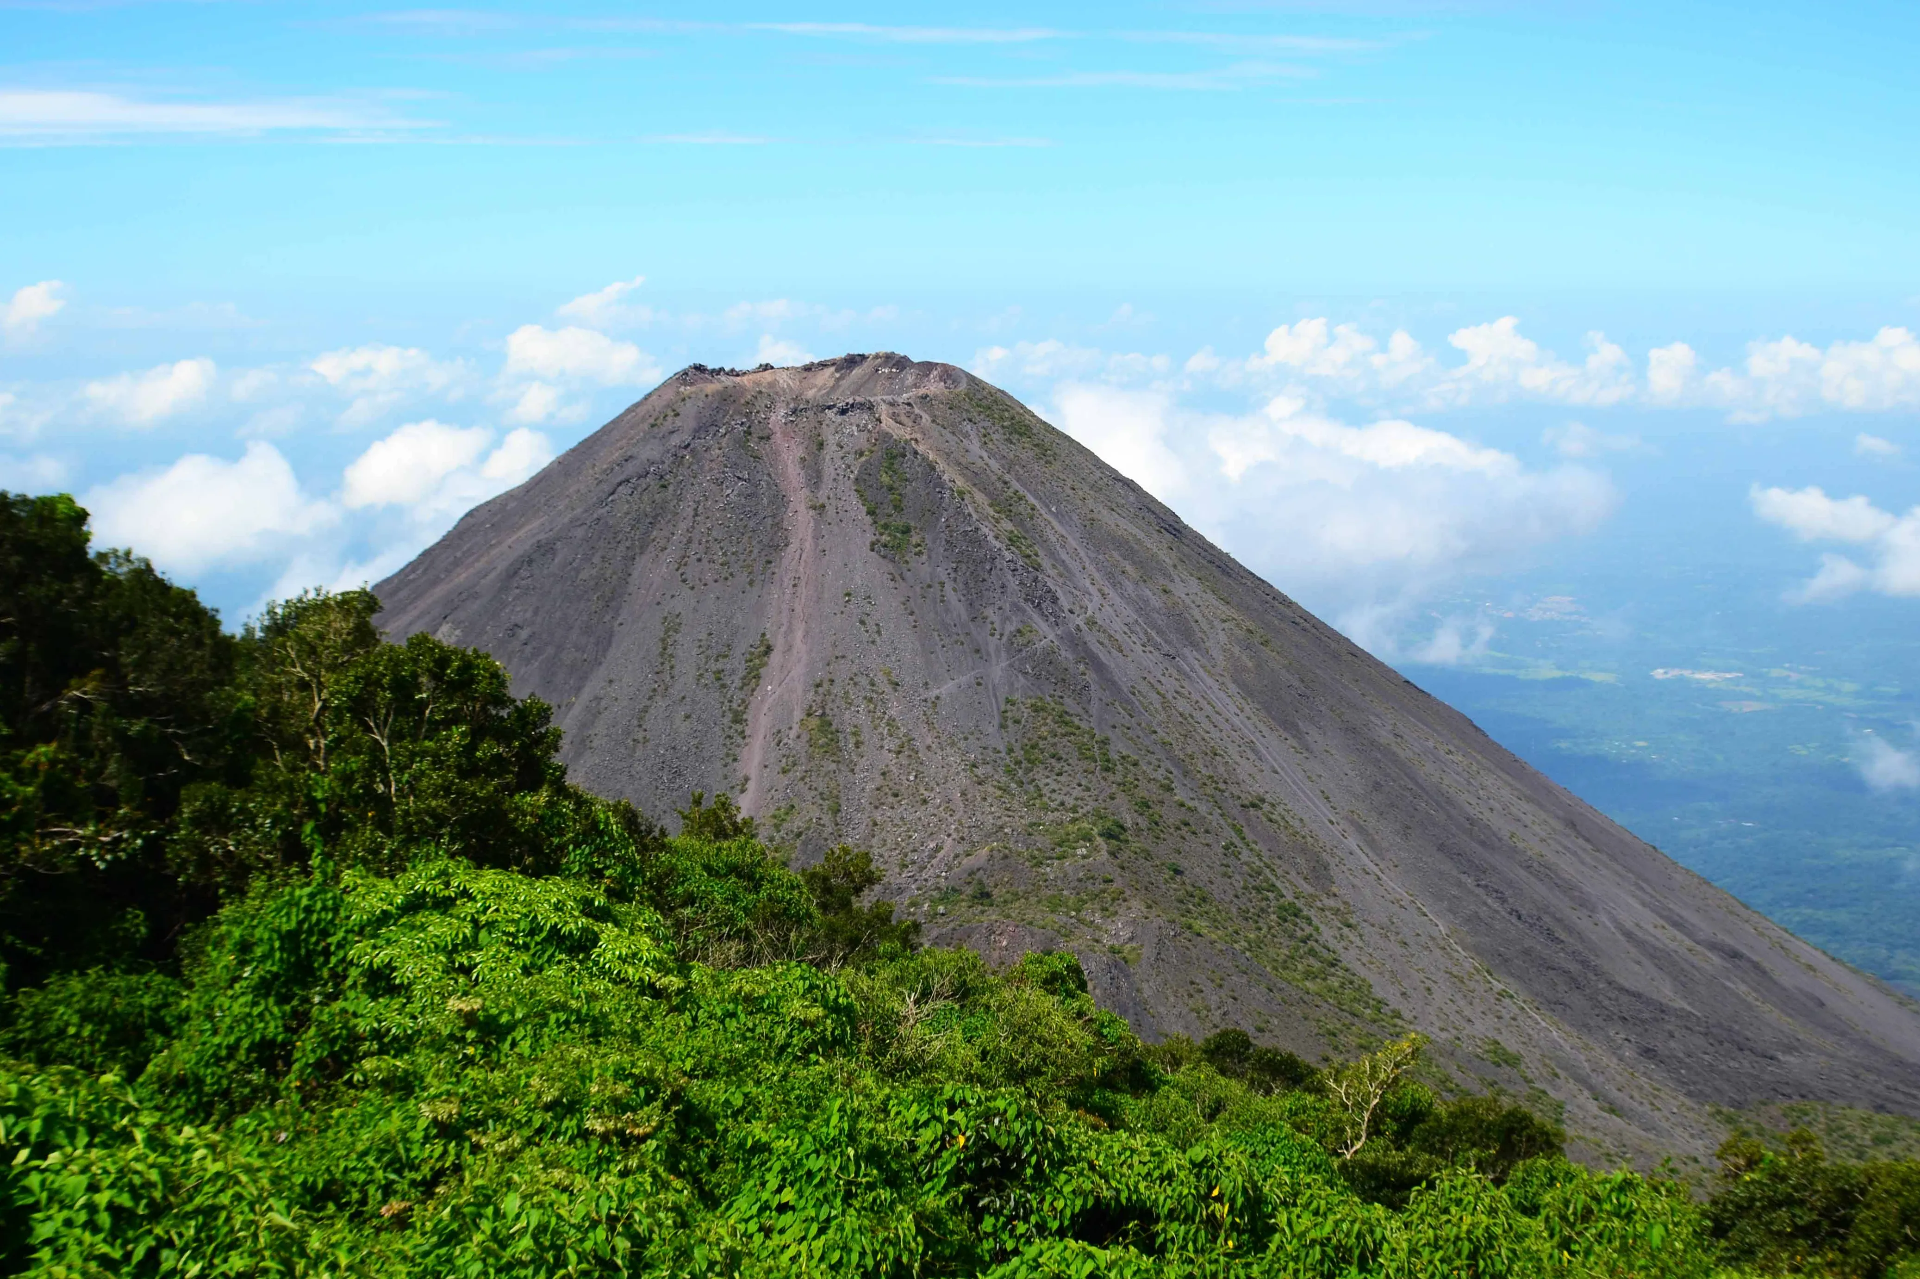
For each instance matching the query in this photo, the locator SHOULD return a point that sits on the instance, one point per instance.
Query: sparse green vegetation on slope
(416, 1006)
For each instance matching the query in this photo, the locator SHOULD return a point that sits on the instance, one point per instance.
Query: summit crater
(882, 603)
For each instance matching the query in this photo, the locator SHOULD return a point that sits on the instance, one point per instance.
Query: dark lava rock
(884, 604)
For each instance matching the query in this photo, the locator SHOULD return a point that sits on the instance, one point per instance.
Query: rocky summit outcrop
(883, 603)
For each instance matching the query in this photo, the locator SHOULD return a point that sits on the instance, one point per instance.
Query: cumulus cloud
(578, 354)
(1810, 514)
(379, 378)
(1501, 362)
(1362, 521)
(1884, 766)
(1786, 377)
(409, 464)
(1670, 372)
(1874, 446)
(1388, 445)
(1780, 377)
(1128, 430)
(1342, 354)
(435, 472)
(539, 402)
(29, 305)
(1319, 358)
(142, 399)
(1892, 542)
(544, 364)
(607, 308)
(203, 511)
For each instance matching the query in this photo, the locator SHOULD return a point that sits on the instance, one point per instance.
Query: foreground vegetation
(316, 964)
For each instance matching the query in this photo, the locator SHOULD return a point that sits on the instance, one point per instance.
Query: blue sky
(1387, 296)
(355, 156)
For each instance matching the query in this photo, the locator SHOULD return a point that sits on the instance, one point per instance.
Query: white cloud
(141, 399)
(1786, 377)
(1501, 362)
(436, 472)
(1838, 578)
(1779, 377)
(29, 305)
(1243, 443)
(1319, 358)
(773, 350)
(537, 402)
(1892, 540)
(1874, 446)
(66, 115)
(1670, 372)
(1127, 430)
(519, 456)
(578, 354)
(203, 511)
(380, 378)
(1885, 766)
(1361, 521)
(604, 309)
(409, 464)
(1454, 641)
(1876, 375)
(1342, 354)
(1811, 515)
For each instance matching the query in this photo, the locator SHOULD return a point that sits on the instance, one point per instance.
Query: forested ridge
(316, 963)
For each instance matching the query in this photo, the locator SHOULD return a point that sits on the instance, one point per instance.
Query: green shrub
(365, 987)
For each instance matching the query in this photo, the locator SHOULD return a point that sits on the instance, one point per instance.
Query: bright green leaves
(448, 961)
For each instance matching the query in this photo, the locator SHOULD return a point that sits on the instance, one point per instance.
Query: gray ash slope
(884, 604)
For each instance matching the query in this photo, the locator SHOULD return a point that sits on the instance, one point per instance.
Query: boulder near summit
(882, 603)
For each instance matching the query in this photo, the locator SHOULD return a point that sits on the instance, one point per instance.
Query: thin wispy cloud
(1246, 41)
(448, 21)
(1240, 75)
(911, 35)
(540, 59)
(52, 116)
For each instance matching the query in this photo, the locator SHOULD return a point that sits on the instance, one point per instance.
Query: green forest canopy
(315, 963)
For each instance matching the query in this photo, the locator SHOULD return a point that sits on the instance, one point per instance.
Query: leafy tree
(115, 698)
(434, 1011)
(1359, 1087)
(1233, 1053)
(849, 931)
(377, 753)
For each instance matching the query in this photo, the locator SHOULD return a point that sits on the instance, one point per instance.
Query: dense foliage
(318, 965)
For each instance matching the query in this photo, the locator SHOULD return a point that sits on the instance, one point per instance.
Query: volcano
(882, 603)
